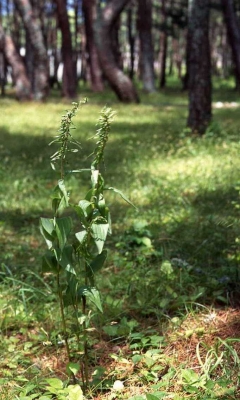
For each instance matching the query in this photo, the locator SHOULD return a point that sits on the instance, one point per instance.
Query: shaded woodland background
(55, 44)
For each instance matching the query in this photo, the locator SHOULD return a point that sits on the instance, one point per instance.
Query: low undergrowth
(170, 287)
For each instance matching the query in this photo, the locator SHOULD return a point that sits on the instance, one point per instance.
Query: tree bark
(103, 27)
(131, 40)
(2, 59)
(177, 57)
(32, 26)
(89, 11)
(224, 53)
(163, 47)
(21, 82)
(69, 88)
(146, 46)
(200, 110)
(185, 79)
(233, 31)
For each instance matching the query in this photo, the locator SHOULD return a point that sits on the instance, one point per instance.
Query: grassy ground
(170, 288)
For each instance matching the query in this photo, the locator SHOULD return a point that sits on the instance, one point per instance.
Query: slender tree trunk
(89, 11)
(224, 53)
(21, 82)
(177, 56)
(116, 46)
(33, 29)
(2, 73)
(131, 41)
(103, 26)
(55, 54)
(84, 75)
(69, 87)
(200, 110)
(17, 28)
(233, 31)
(163, 47)
(185, 79)
(171, 59)
(213, 46)
(2, 59)
(29, 60)
(146, 46)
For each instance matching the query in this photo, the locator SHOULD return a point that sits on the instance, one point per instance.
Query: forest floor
(170, 289)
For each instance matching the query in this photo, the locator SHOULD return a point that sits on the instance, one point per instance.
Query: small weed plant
(76, 244)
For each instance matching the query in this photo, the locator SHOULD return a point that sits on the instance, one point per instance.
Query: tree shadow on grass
(206, 237)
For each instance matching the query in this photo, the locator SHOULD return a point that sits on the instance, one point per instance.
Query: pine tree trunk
(146, 46)
(177, 56)
(29, 61)
(2, 61)
(69, 88)
(35, 35)
(163, 48)
(200, 110)
(131, 41)
(185, 79)
(224, 53)
(21, 82)
(103, 27)
(89, 11)
(233, 31)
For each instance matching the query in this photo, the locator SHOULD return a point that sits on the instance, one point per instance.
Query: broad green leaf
(75, 393)
(86, 206)
(47, 230)
(190, 376)
(55, 204)
(157, 395)
(104, 211)
(80, 215)
(122, 195)
(137, 358)
(49, 262)
(63, 228)
(94, 297)
(99, 234)
(65, 258)
(166, 268)
(82, 319)
(146, 241)
(152, 397)
(71, 296)
(29, 388)
(60, 197)
(96, 264)
(55, 383)
(48, 225)
(81, 236)
(72, 368)
(63, 189)
(101, 202)
(89, 194)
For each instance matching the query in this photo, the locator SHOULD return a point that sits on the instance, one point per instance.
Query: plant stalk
(60, 296)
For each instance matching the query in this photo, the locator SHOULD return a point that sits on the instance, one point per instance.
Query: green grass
(185, 189)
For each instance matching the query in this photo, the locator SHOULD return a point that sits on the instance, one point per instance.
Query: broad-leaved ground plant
(76, 249)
